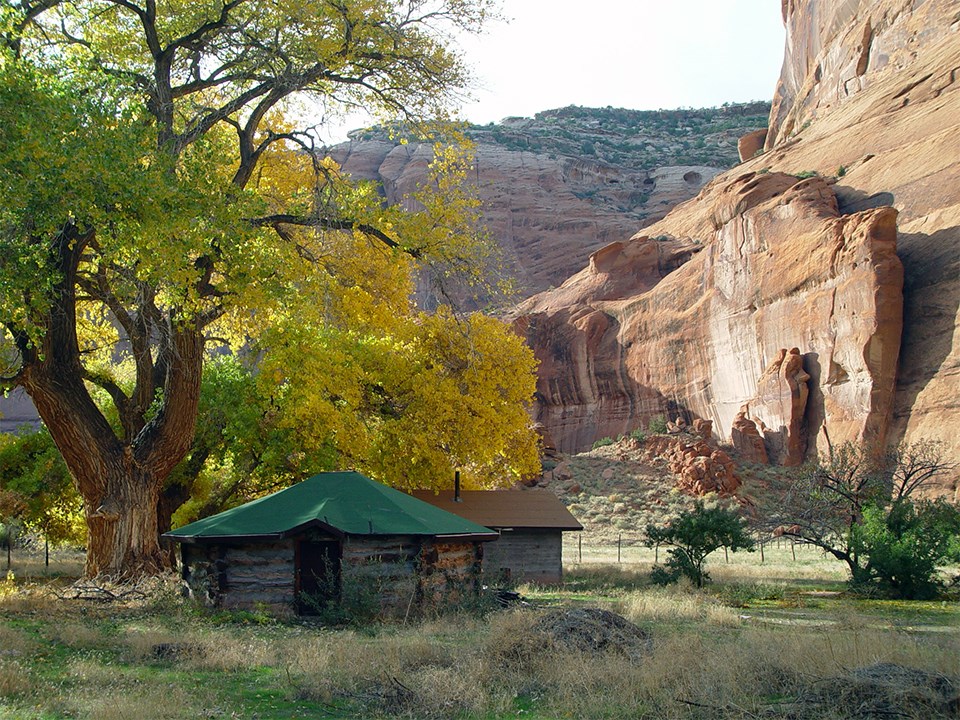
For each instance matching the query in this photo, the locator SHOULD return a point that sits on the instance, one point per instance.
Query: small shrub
(8, 586)
(841, 171)
(805, 174)
(657, 425)
(638, 435)
(692, 537)
(603, 442)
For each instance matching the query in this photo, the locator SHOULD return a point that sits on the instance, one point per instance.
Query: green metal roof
(346, 503)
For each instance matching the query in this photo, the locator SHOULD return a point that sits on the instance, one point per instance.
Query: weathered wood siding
(524, 556)
(380, 572)
(242, 576)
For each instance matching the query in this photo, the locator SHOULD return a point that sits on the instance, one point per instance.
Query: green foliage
(161, 191)
(603, 442)
(904, 543)
(858, 507)
(38, 489)
(692, 537)
(657, 425)
(841, 171)
(638, 435)
(805, 174)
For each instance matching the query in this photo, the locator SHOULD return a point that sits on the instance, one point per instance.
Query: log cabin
(337, 538)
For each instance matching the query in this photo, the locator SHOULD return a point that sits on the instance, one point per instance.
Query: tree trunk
(122, 536)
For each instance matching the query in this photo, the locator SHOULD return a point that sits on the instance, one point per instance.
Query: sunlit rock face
(693, 322)
(868, 99)
(869, 92)
(548, 214)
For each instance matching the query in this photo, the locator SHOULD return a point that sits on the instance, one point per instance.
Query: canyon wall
(774, 266)
(868, 111)
(548, 214)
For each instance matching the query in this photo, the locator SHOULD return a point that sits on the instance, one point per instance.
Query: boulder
(699, 468)
(751, 143)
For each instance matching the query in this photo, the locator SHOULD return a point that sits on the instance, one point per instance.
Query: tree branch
(278, 220)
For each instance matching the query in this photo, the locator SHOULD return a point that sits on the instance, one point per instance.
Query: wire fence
(630, 550)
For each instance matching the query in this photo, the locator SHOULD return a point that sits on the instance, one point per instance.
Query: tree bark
(122, 536)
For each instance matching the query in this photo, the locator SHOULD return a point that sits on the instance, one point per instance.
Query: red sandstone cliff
(868, 99)
(546, 213)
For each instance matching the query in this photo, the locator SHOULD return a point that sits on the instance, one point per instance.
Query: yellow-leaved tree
(157, 192)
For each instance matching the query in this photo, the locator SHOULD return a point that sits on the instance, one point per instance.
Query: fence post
(760, 538)
(793, 550)
(619, 537)
(580, 548)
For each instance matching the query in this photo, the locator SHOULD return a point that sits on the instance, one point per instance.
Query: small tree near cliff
(692, 537)
(861, 509)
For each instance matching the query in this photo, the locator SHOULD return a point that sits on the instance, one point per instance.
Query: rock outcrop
(747, 440)
(869, 100)
(700, 468)
(548, 214)
(766, 260)
(780, 407)
(869, 93)
(751, 143)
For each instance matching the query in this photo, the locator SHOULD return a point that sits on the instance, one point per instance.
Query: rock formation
(766, 261)
(868, 100)
(747, 439)
(780, 407)
(869, 93)
(547, 213)
(751, 143)
(699, 468)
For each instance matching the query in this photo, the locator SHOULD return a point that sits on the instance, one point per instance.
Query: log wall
(242, 576)
(379, 576)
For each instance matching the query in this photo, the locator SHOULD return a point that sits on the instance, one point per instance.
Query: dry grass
(14, 678)
(675, 605)
(708, 658)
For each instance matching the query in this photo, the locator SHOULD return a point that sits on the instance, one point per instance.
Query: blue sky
(642, 55)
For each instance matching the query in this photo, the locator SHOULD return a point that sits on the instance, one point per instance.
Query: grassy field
(777, 639)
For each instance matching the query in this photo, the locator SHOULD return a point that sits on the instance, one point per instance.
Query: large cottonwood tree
(157, 187)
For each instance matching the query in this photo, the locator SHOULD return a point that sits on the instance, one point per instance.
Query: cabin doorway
(318, 575)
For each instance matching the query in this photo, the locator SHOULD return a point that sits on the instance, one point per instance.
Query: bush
(657, 425)
(603, 442)
(858, 508)
(903, 545)
(693, 536)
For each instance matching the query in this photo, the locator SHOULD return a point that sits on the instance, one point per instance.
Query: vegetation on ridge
(634, 139)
